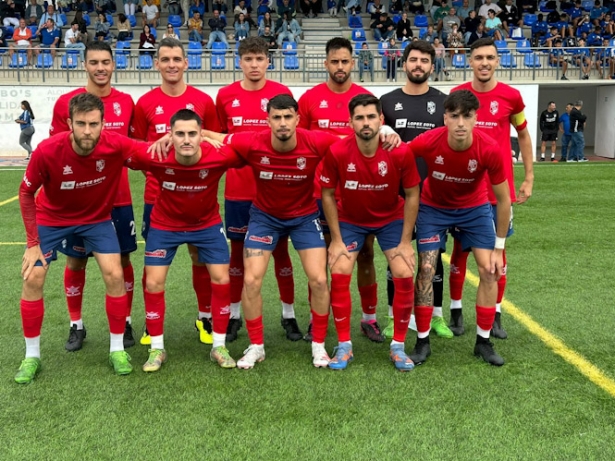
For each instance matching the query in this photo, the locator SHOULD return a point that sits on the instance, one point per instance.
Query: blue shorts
(494, 211)
(124, 223)
(473, 227)
(321, 215)
(388, 236)
(147, 214)
(99, 237)
(237, 216)
(264, 231)
(161, 245)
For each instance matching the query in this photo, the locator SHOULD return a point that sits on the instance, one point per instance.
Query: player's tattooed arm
(424, 278)
(249, 252)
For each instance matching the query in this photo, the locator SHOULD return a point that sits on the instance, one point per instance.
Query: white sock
(157, 342)
(129, 320)
(79, 324)
(204, 315)
(345, 342)
(498, 307)
(456, 304)
(391, 311)
(396, 343)
(288, 311)
(219, 339)
(424, 334)
(235, 310)
(33, 347)
(412, 323)
(116, 342)
(483, 333)
(368, 317)
(437, 312)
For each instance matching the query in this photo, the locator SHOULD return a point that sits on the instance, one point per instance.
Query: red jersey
(243, 110)
(369, 186)
(188, 198)
(76, 190)
(119, 108)
(284, 181)
(152, 120)
(494, 117)
(455, 178)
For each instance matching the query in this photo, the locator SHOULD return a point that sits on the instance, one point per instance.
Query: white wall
(605, 122)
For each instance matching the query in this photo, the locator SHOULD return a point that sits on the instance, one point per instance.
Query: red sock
(459, 263)
(32, 313)
(502, 281)
(320, 323)
(201, 282)
(220, 306)
(369, 298)
(402, 307)
(155, 307)
(236, 270)
(284, 271)
(341, 305)
(255, 330)
(116, 307)
(485, 317)
(129, 282)
(422, 314)
(74, 281)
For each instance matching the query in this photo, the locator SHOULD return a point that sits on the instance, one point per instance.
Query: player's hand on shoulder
(217, 144)
(389, 138)
(159, 150)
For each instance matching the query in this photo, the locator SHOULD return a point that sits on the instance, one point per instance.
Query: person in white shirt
(72, 39)
(150, 14)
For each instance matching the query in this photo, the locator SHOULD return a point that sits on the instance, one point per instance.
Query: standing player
(410, 111)
(242, 106)
(283, 161)
(151, 121)
(369, 204)
(500, 107)
(99, 66)
(458, 159)
(549, 124)
(186, 211)
(78, 173)
(325, 108)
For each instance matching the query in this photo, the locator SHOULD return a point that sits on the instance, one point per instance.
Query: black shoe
(484, 349)
(75, 339)
(456, 323)
(308, 335)
(129, 339)
(421, 351)
(293, 332)
(234, 325)
(542, 159)
(496, 330)
(372, 331)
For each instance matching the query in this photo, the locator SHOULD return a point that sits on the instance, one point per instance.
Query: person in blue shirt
(563, 26)
(595, 37)
(50, 38)
(557, 58)
(603, 59)
(576, 13)
(27, 129)
(539, 28)
(582, 59)
(564, 128)
(197, 6)
(608, 26)
(596, 14)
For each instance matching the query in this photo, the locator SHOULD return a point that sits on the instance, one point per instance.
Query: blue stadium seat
(33, 29)
(396, 18)
(218, 50)
(502, 46)
(121, 61)
(88, 21)
(70, 60)
(532, 60)
(145, 62)
(175, 20)
(154, 32)
(291, 61)
(8, 32)
(358, 35)
(420, 20)
(459, 61)
(422, 32)
(64, 20)
(20, 59)
(132, 19)
(529, 19)
(382, 47)
(195, 51)
(542, 6)
(44, 60)
(587, 5)
(508, 60)
(524, 46)
(109, 19)
(355, 22)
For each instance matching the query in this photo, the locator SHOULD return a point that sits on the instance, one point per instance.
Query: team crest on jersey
(159, 110)
(472, 166)
(190, 106)
(382, 168)
(235, 103)
(264, 103)
(265, 161)
(398, 106)
(100, 165)
(351, 168)
(67, 170)
(439, 160)
(494, 107)
(324, 104)
(117, 109)
(301, 163)
(431, 107)
(203, 174)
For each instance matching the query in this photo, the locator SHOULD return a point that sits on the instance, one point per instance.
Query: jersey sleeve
(59, 118)
(210, 117)
(241, 143)
(418, 147)
(410, 174)
(495, 164)
(329, 176)
(518, 115)
(323, 141)
(232, 159)
(221, 113)
(304, 112)
(139, 160)
(31, 182)
(138, 128)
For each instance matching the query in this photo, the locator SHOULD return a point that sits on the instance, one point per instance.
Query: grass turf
(454, 407)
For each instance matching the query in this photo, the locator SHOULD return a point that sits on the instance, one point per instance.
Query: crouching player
(186, 211)
(369, 179)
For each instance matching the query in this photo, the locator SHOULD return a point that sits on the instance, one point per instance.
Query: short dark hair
(170, 42)
(463, 101)
(551, 102)
(97, 46)
(85, 102)
(186, 115)
(255, 45)
(364, 100)
(338, 43)
(422, 46)
(481, 42)
(282, 102)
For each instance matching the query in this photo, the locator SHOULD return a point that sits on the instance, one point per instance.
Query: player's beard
(418, 79)
(339, 79)
(86, 145)
(367, 136)
(284, 136)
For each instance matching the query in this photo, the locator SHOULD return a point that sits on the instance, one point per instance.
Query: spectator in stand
(576, 13)
(130, 7)
(436, 4)
(150, 14)
(539, 29)
(217, 25)
(528, 7)
(478, 33)
(493, 25)
(103, 6)
(269, 37)
(483, 11)
(384, 28)
(51, 13)
(170, 32)
(195, 28)
(604, 60)
(73, 39)
(310, 8)
(286, 7)
(582, 58)
(564, 27)
(595, 37)
(510, 17)
(584, 26)
(414, 6)
(392, 55)
(9, 14)
(50, 38)
(470, 24)
(219, 5)
(557, 58)
(439, 60)
(266, 21)
(429, 35)
(147, 41)
(552, 17)
(596, 14)
(197, 6)
(448, 22)
(22, 40)
(366, 61)
(608, 26)
(332, 8)
(440, 14)
(124, 29)
(404, 28)
(289, 30)
(3, 43)
(375, 9)
(101, 28)
(246, 10)
(547, 42)
(464, 10)
(242, 28)
(173, 6)
(454, 41)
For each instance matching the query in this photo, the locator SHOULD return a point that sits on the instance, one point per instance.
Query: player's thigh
(161, 247)
(431, 227)
(306, 232)
(354, 238)
(264, 231)
(475, 227)
(124, 222)
(210, 245)
(314, 262)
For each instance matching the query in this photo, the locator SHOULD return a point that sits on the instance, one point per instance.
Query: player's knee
(485, 275)
(318, 284)
(76, 264)
(252, 283)
(114, 280)
(33, 286)
(426, 272)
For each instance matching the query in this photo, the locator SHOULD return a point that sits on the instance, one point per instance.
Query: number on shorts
(133, 230)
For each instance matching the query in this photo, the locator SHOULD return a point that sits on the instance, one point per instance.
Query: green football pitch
(553, 400)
